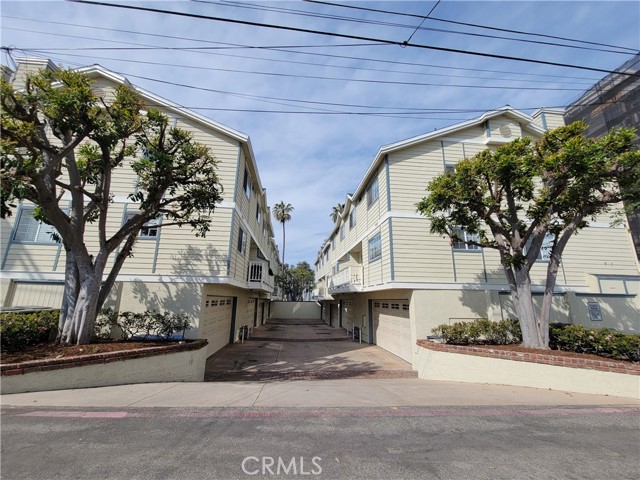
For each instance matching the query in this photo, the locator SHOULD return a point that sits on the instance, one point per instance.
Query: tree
(282, 213)
(526, 194)
(60, 141)
(294, 282)
(336, 212)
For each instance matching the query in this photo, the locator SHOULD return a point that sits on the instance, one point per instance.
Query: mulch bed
(53, 351)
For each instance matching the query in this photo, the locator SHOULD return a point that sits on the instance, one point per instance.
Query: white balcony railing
(259, 274)
(346, 277)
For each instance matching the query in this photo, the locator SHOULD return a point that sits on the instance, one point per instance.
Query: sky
(319, 106)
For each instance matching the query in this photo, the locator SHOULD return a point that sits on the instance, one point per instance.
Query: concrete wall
(181, 366)
(434, 365)
(309, 310)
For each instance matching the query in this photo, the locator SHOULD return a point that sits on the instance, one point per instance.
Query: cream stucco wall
(433, 365)
(287, 310)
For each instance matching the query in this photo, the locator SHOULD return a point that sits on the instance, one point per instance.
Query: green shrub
(20, 330)
(602, 341)
(152, 324)
(481, 330)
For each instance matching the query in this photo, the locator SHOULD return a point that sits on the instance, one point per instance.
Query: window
(545, 250)
(375, 248)
(372, 192)
(449, 168)
(352, 218)
(376, 304)
(242, 241)
(326, 256)
(385, 305)
(258, 213)
(405, 306)
(246, 184)
(395, 306)
(342, 232)
(31, 230)
(464, 236)
(149, 230)
(333, 243)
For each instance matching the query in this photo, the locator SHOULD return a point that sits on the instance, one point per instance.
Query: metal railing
(259, 273)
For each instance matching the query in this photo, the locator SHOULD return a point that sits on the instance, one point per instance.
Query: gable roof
(409, 142)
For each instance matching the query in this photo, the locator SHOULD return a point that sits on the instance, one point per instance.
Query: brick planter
(183, 362)
(483, 364)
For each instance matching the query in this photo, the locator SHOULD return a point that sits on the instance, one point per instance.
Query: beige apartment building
(223, 281)
(382, 271)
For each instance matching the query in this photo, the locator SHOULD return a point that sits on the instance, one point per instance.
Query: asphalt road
(333, 443)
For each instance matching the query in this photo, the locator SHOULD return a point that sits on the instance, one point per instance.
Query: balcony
(259, 277)
(347, 280)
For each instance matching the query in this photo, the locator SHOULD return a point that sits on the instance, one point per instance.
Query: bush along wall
(19, 330)
(571, 338)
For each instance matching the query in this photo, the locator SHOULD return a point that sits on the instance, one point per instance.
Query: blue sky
(315, 153)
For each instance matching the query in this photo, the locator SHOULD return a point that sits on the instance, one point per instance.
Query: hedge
(572, 338)
(20, 330)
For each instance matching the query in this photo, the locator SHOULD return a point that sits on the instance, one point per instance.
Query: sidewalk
(327, 393)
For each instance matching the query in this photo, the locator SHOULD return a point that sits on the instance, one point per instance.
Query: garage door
(217, 322)
(28, 294)
(392, 327)
(335, 314)
(348, 318)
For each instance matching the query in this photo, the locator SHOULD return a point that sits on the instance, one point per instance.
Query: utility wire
(283, 50)
(519, 32)
(423, 20)
(323, 65)
(303, 13)
(342, 35)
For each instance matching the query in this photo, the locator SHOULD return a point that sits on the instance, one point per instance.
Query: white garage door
(392, 327)
(217, 322)
(335, 314)
(348, 318)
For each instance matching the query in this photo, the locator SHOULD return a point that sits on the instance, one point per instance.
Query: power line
(507, 30)
(423, 20)
(283, 50)
(342, 35)
(323, 65)
(290, 11)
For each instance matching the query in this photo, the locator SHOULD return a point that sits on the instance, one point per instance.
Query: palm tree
(337, 210)
(282, 213)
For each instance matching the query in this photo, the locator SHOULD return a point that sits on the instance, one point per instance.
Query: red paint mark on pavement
(74, 414)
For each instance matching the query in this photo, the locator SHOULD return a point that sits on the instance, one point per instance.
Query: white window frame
(352, 219)
(242, 241)
(460, 245)
(147, 228)
(375, 248)
(544, 254)
(258, 213)
(373, 191)
(43, 231)
(246, 183)
(342, 231)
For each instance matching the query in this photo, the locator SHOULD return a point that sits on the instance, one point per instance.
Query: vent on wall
(505, 131)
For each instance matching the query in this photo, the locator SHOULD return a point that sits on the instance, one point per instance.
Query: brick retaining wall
(547, 359)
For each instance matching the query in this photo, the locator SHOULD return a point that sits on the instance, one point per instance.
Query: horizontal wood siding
(418, 255)
(30, 257)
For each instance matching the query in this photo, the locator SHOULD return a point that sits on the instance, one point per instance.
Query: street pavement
(300, 399)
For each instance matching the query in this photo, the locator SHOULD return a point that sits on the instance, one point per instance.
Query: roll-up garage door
(216, 326)
(392, 327)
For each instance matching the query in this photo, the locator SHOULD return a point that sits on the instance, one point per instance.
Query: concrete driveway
(300, 349)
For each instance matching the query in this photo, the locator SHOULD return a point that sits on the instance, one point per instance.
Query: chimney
(27, 65)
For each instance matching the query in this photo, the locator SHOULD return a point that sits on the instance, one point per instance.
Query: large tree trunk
(70, 295)
(532, 336)
(79, 328)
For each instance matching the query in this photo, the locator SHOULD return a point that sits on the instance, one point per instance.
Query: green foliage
(480, 331)
(21, 330)
(294, 282)
(604, 341)
(571, 338)
(152, 324)
(106, 319)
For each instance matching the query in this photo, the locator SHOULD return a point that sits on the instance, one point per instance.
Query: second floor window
(258, 213)
(375, 248)
(463, 237)
(246, 184)
(150, 229)
(242, 241)
(342, 232)
(31, 230)
(352, 218)
(333, 243)
(372, 192)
